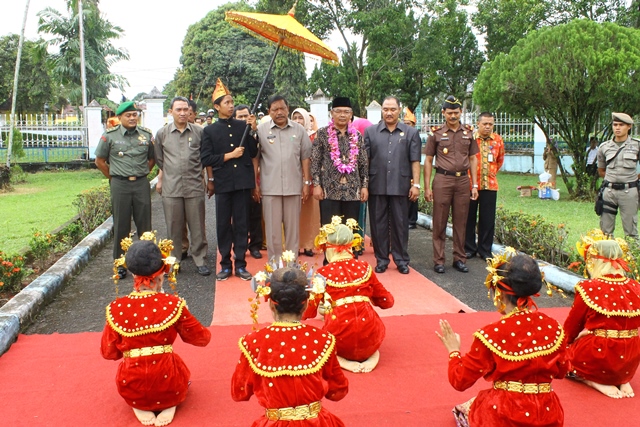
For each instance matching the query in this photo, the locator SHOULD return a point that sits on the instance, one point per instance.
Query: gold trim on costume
(587, 300)
(299, 413)
(520, 387)
(612, 333)
(147, 329)
(148, 351)
(354, 282)
(350, 300)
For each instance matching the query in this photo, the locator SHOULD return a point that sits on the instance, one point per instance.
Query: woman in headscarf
(602, 327)
(521, 353)
(310, 211)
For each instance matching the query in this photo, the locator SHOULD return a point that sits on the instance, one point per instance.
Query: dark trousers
(450, 193)
(129, 198)
(232, 219)
(345, 209)
(255, 226)
(413, 213)
(483, 213)
(389, 225)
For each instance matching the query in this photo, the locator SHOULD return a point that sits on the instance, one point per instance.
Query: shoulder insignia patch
(145, 129)
(113, 129)
(468, 127)
(435, 128)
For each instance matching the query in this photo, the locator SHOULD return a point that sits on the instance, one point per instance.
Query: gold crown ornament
(220, 90)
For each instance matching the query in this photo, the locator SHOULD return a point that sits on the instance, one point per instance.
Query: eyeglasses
(342, 112)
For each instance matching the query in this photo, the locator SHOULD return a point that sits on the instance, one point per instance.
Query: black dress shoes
(438, 268)
(308, 252)
(122, 272)
(203, 270)
(404, 269)
(256, 254)
(184, 256)
(470, 255)
(460, 266)
(380, 268)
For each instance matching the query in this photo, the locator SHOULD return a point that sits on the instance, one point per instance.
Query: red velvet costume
(148, 319)
(287, 365)
(358, 329)
(610, 303)
(527, 347)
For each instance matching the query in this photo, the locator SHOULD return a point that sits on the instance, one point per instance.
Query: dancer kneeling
(141, 327)
(352, 289)
(520, 353)
(289, 366)
(602, 326)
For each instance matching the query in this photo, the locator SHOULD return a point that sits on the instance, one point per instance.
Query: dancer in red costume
(520, 353)
(352, 289)
(288, 365)
(141, 327)
(602, 327)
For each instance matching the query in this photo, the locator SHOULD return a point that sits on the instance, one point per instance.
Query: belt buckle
(458, 173)
(132, 178)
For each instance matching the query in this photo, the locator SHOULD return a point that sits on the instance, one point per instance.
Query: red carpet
(61, 380)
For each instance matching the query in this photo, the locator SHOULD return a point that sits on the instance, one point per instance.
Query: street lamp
(46, 112)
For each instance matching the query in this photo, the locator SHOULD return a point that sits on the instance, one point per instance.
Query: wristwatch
(307, 183)
(417, 186)
(211, 179)
(475, 185)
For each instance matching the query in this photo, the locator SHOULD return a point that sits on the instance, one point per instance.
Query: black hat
(523, 275)
(144, 258)
(452, 103)
(341, 101)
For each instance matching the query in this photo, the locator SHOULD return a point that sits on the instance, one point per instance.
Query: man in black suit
(234, 180)
(394, 177)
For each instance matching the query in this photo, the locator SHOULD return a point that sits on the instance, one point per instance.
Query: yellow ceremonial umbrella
(283, 30)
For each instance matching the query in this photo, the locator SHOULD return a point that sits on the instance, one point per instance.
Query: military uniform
(621, 185)
(128, 153)
(451, 150)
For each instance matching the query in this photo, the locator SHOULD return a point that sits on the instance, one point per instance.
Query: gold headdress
(409, 116)
(261, 282)
(220, 90)
(592, 258)
(165, 246)
(322, 239)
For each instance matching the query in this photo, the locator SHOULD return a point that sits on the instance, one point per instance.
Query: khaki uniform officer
(617, 162)
(455, 151)
(125, 156)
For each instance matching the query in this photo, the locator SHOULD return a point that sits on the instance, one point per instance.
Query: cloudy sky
(153, 34)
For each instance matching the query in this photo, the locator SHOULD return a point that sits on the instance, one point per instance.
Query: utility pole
(12, 121)
(83, 74)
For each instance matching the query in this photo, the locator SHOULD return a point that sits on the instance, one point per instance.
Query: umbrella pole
(264, 82)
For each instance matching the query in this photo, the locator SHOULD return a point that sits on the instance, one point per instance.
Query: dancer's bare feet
(165, 417)
(370, 364)
(147, 418)
(350, 365)
(627, 390)
(607, 390)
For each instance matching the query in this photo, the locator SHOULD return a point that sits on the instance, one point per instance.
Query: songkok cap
(523, 275)
(126, 106)
(452, 103)
(144, 258)
(409, 116)
(220, 91)
(622, 117)
(340, 101)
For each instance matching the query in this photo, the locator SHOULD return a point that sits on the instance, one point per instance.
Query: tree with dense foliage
(35, 85)
(100, 51)
(566, 77)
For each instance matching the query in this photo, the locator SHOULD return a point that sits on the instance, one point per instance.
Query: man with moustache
(178, 158)
(482, 211)
(234, 180)
(125, 156)
(455, 152)
(394, 181)
(242, 112)
(285, 176)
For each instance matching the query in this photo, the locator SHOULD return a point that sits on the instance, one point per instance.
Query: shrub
(41, 246)
(71, 235)
(12, 272)
(94, 207)
(532, 234)
(17, 148)
(18, 176)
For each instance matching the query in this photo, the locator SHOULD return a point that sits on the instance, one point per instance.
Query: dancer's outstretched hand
(449, 338)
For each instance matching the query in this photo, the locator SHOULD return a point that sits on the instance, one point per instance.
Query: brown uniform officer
(455, 150)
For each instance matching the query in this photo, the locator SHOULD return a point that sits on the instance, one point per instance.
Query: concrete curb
(560, 277)
(22, 308)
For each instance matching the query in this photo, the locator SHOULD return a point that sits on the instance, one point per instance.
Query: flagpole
(83, 73)
(12, 120)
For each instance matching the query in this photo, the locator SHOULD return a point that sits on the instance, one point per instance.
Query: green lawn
(44, 203)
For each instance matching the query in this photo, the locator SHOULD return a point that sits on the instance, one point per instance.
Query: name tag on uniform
(271, 139)
(444, 139)
(490, 158)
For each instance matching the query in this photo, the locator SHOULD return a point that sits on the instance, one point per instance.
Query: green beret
(622, 117)
(126, 106)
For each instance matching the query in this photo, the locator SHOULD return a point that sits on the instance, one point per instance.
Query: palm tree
(100, 54)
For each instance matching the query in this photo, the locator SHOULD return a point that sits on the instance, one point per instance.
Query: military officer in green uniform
(617, 162)
(125, 156)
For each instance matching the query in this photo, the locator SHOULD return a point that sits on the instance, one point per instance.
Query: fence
(46, 138)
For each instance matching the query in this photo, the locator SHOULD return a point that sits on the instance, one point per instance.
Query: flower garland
(335, 148)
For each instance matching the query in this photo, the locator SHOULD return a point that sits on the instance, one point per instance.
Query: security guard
(617, 161)
(125, 156)
(455, 151)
